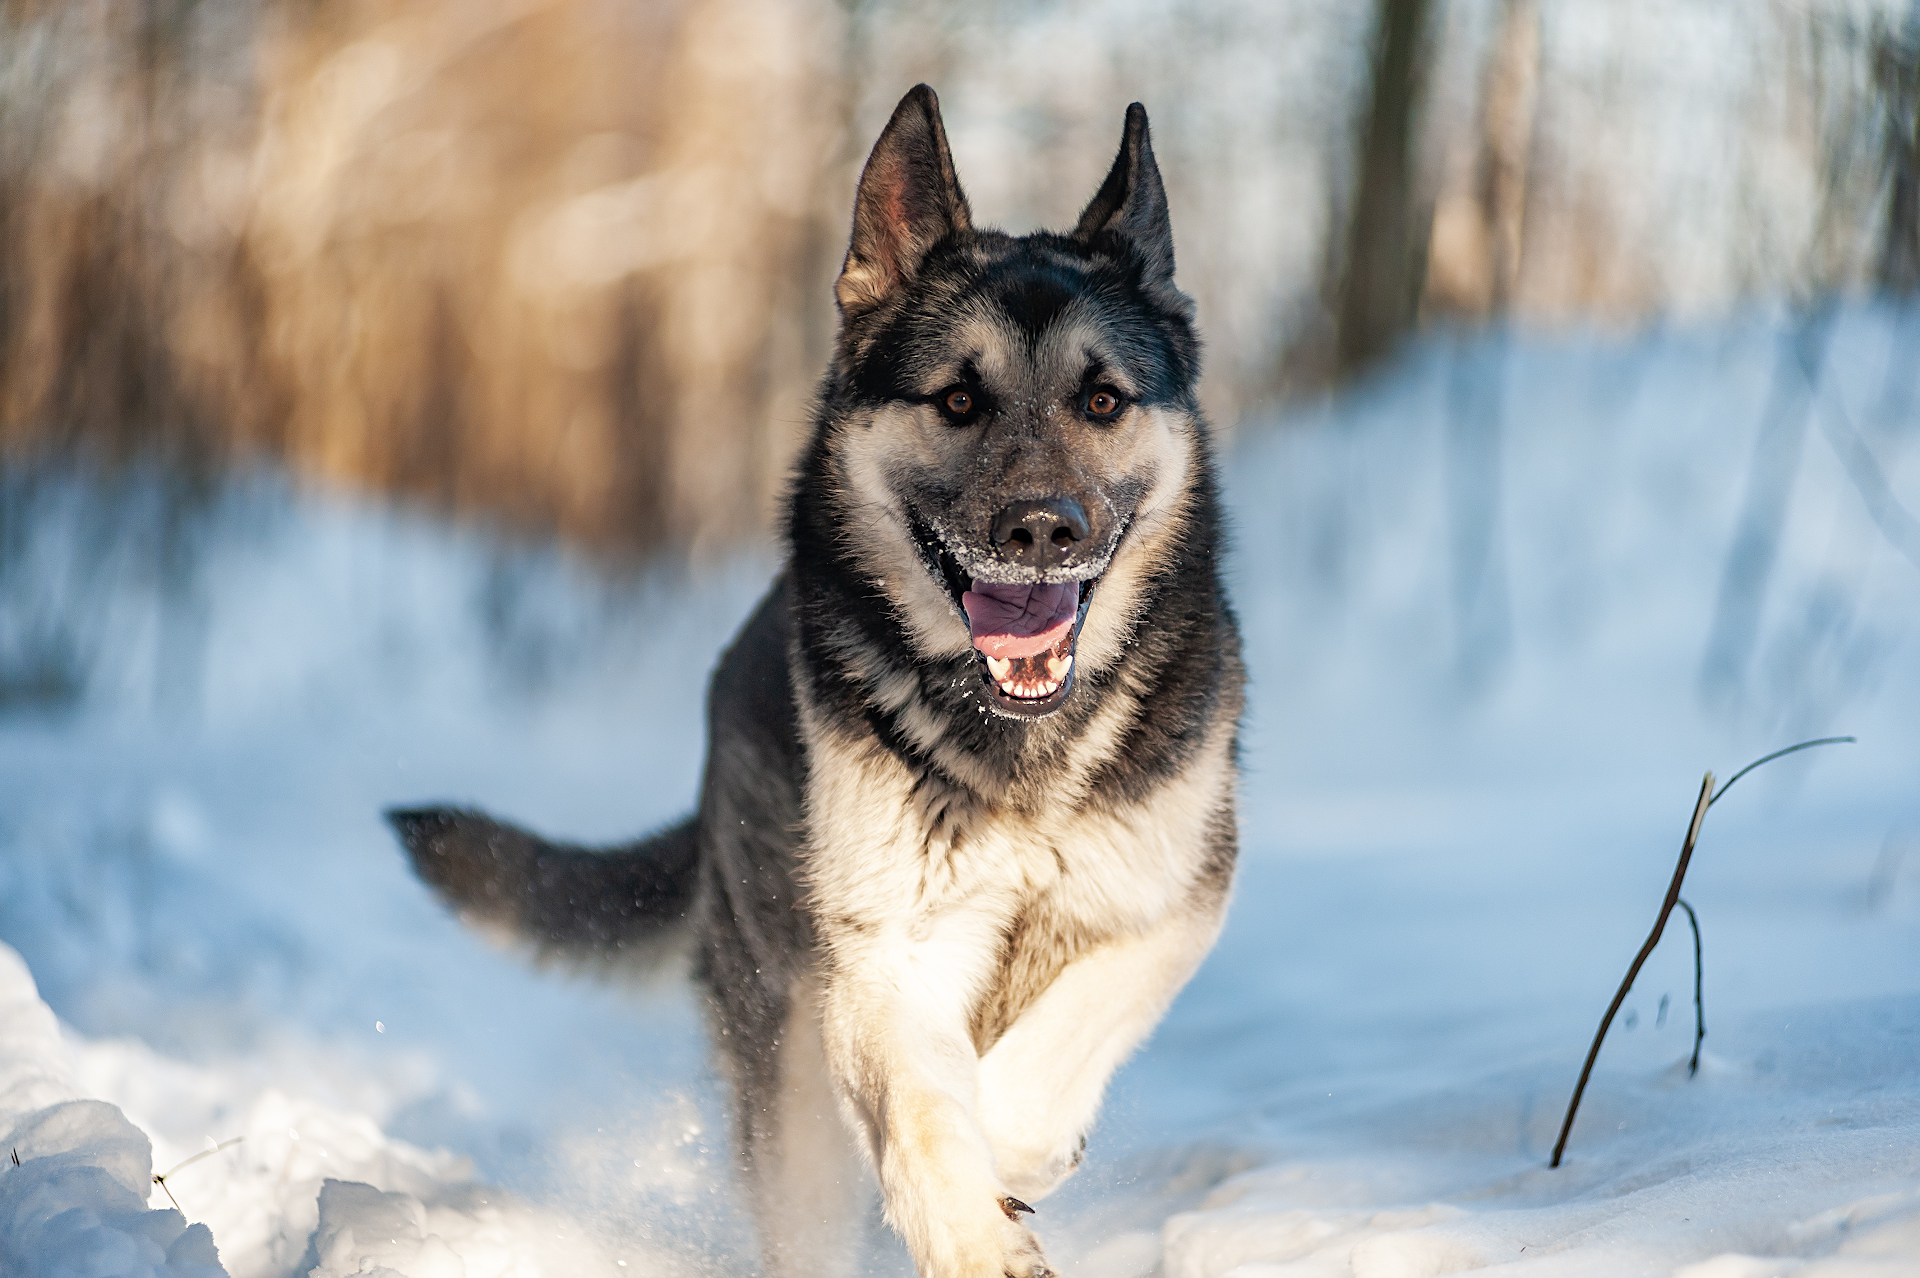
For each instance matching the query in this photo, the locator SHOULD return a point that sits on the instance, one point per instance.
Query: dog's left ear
(909, 200)
(1132, 204)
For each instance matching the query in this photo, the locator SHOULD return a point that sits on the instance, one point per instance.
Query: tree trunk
(1384, 267)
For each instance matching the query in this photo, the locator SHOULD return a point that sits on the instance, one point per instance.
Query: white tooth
(999, 668)
(1058, 667)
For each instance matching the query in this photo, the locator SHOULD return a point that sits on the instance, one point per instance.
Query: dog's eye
(1103, 404)
(959, 403)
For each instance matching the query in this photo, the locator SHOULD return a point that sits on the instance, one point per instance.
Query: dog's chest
(884, 850)
(996, 902)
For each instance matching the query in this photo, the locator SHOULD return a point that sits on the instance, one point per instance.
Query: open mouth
(1023, 637)
(1023, 632)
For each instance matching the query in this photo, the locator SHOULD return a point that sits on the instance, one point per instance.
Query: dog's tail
(615, 905)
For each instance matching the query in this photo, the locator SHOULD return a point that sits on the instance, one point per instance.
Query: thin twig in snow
(160, 1178)
(1769, 758)
(1708, 797)
(1699, 1007)
(1620, 996)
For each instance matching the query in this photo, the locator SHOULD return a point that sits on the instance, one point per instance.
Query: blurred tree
(1379, 291)
(565, 264)
(1896, 74)
(1479, 217)
(1472, 271)
(325, 235)
(1868, 76)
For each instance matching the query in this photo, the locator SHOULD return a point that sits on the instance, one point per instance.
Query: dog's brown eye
(1103, 404)
(959, 403)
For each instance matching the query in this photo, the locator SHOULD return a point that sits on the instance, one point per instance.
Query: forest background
(565, 265)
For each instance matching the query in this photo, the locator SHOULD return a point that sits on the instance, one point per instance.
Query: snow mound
(78, 1201)
(73, 1191)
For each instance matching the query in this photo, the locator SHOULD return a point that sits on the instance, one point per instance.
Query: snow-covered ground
(1480, 598)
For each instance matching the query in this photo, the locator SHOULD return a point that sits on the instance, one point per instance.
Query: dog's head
(1009, 415)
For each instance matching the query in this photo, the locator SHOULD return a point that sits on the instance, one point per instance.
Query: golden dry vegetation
(567, 262)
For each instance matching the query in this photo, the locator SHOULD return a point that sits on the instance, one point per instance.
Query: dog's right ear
(909, 200)
(1132, 204)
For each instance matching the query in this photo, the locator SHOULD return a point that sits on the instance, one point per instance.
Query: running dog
(967, 820)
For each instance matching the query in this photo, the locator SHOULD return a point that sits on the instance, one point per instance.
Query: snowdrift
(1504, 605)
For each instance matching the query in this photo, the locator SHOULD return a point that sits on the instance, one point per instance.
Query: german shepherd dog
(967, 822)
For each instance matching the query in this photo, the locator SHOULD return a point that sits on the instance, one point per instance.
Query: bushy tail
(620, 903)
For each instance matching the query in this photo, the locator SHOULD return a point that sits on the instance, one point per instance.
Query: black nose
(1049, 533)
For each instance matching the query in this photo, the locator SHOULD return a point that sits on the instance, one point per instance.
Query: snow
(74, 1198)
(1478, 592)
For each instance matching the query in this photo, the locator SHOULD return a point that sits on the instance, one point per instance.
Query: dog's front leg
(900, 1051)
(1040, 1085)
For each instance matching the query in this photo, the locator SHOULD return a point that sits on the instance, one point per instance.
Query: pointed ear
(1132, 204)
(909, 200)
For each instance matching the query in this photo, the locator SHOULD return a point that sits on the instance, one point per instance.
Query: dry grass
(567, 262)
(531, 258)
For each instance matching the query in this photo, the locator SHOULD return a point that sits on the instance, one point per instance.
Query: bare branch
(1653, 939)
(160, 1178)
(1699, 1007)
(1777, 754)
(1708, 797)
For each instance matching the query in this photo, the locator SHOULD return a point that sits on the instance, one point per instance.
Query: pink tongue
(1019, 620)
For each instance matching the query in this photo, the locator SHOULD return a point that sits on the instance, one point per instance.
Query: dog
(967, 823)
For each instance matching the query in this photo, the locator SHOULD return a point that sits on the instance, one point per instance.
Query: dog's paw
(990, 1244)
(1020, 1253)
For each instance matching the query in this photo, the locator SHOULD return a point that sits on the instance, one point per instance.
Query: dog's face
(1009, 414)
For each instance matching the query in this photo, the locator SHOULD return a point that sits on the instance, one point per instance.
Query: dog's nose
(1049, 533)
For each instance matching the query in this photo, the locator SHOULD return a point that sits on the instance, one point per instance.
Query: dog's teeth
(1028, 684)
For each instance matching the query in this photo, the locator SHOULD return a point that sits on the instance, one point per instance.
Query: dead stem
(1653, 939)
(160, 1178)
(1708, 797)
(1699, 1007)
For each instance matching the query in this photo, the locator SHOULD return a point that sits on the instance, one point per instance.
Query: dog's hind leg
(810, 1188)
